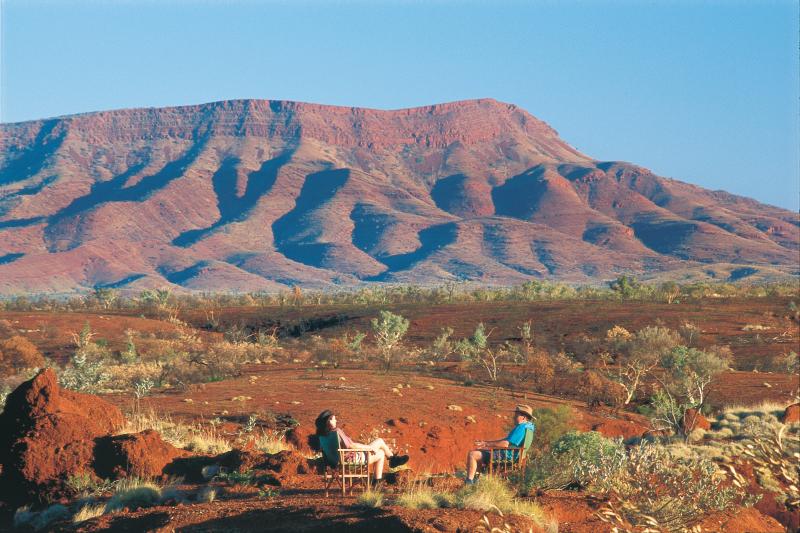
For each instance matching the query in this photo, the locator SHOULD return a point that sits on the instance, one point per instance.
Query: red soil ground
(414, 419)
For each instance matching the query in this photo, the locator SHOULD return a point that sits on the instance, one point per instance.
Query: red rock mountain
(262, 195)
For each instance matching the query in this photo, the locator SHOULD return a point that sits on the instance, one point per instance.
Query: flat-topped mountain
(262, 195)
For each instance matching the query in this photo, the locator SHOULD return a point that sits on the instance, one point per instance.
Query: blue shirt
(517, 435)
(515, 438)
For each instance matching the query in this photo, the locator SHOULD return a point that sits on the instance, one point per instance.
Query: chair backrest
(526, 444)
(330, 448)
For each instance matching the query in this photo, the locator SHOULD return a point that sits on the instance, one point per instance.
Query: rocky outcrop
(263, 195)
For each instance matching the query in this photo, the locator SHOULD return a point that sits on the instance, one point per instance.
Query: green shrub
(574, 461)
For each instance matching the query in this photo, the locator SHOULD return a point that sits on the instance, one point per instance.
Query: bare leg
(377, 459)
(473, 459)
(379, 444)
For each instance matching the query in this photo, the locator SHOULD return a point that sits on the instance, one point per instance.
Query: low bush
(574, 461)
(650, 489)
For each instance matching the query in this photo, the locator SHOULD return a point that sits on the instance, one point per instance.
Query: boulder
(694, 419)
(792, 414)
(142, 455)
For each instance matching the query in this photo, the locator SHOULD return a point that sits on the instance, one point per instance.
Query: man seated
(523, 415)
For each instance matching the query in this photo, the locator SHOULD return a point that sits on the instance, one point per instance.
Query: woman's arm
(499, 443)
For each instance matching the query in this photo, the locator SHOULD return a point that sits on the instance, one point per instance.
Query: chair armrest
(356, 450)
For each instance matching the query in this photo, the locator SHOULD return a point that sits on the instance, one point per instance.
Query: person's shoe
(378, 485)
(468, 481)
(397, 460)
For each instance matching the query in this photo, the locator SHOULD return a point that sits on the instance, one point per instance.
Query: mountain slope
(261, 195)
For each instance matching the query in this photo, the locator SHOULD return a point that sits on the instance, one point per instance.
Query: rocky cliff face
(261, 195)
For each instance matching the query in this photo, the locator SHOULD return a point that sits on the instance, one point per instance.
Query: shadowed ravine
(295, 233)
(33, 159)
(232, 207)
(114, 190)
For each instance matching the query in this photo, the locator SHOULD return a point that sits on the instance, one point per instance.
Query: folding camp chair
(342, 464)
(503, 461)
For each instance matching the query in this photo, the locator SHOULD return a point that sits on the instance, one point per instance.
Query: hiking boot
(397, 460)
(379, 485)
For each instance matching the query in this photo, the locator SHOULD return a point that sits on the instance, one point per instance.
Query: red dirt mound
(287, 465)
(142, 454)
(298, 437)
(47, 435)
(792, 414)
(744, 520)
(619, 428)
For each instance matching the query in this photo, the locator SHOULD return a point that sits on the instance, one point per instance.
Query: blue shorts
(499, 455)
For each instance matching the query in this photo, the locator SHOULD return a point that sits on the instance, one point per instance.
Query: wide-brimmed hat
(524, 409)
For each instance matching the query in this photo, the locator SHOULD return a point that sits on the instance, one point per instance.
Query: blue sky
(705, 92)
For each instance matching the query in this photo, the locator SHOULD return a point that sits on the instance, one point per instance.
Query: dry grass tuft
(87, 512)
(193, 438)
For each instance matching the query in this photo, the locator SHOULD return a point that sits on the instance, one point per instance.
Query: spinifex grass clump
(134, 494)
(488, 494)
(370, 498)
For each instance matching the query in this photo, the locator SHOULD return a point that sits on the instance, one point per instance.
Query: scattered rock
(241, 398)
(454, 407)
(471, 419)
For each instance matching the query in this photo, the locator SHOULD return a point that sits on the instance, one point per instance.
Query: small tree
(637, 356)
(539, 370)
(526, 336)
(389, 330)
(691, 371)
(105, 296)
(18, 353)
(625, 286)
(441, 346)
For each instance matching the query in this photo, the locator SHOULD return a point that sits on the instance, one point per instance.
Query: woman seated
(326, 423)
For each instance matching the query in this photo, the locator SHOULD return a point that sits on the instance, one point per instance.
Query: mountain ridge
(263, 194)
